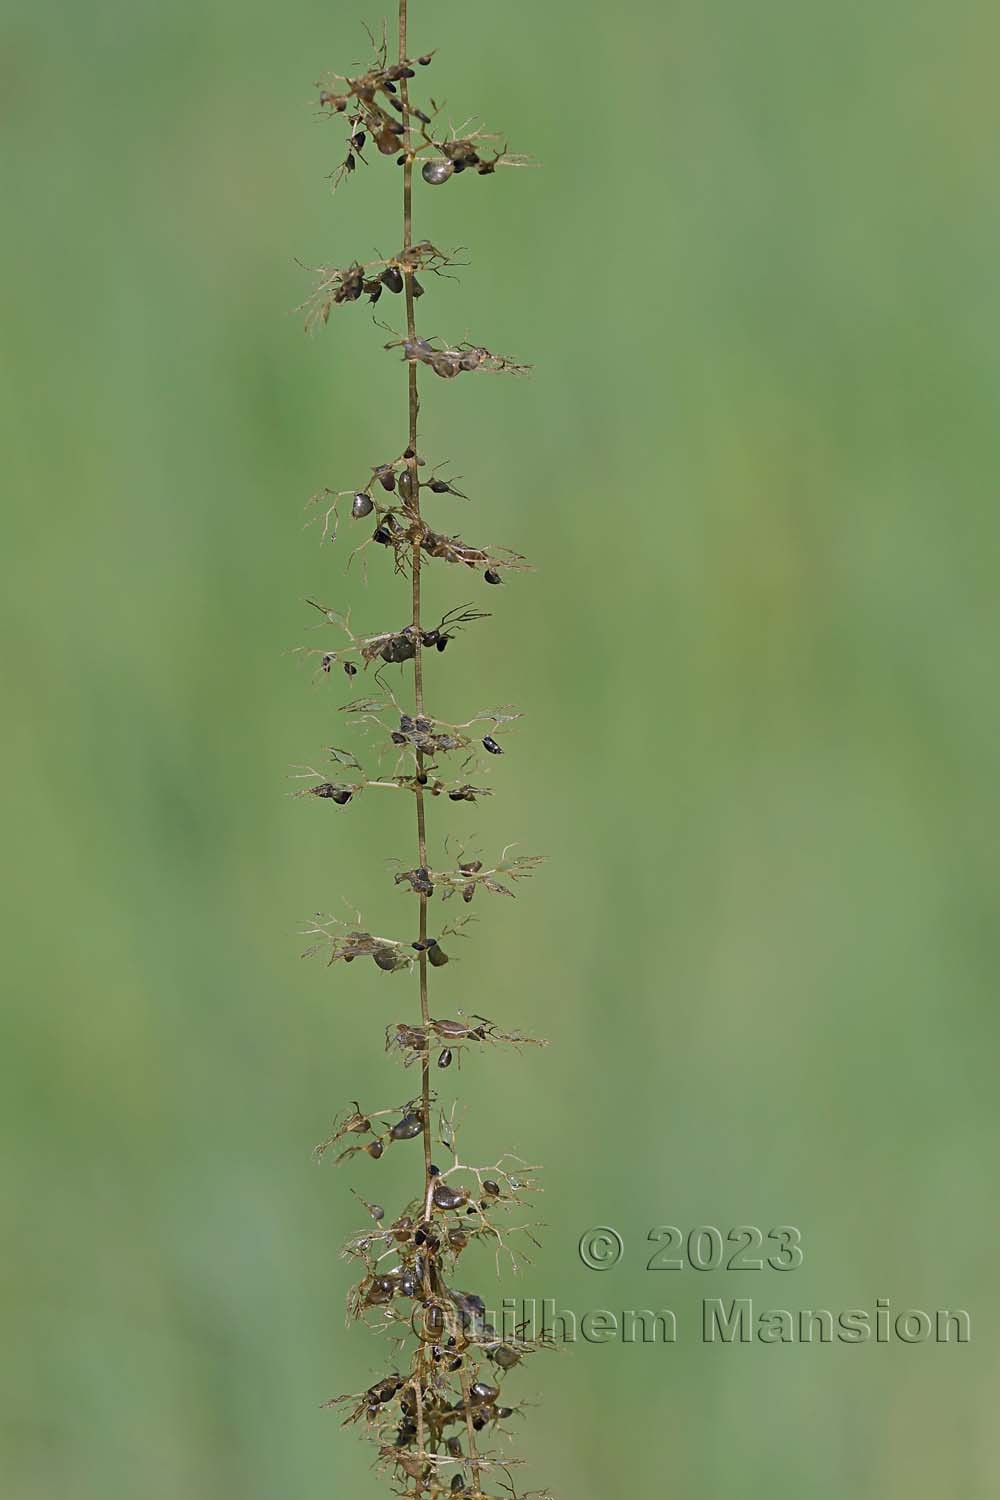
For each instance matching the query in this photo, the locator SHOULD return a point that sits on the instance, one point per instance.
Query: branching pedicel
(439, 1418)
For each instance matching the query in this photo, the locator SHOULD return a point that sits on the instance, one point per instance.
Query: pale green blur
(756, 469)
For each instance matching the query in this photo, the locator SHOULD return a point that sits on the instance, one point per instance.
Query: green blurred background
(755, 468)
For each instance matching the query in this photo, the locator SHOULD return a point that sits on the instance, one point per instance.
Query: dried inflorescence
(437, 1417)
(379, 113)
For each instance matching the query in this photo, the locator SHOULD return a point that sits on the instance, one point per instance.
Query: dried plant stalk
(437, 1424)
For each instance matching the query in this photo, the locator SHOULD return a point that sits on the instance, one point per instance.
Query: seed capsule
(458, 1482)
(444, 1057)
(491, 1187)
(441, 642)
(339, 794)
(406, 1128)
(505, 1357)
(350, 669)
(436, 172)
(392, 279)
(483, 1392)
(449, 1197)
(387, 479)
(361, 505)
(436, 955)
(382, 535)
(375, 1149)
(490, 744)
(492, 576)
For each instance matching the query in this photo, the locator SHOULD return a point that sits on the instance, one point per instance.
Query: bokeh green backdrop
(756, 470)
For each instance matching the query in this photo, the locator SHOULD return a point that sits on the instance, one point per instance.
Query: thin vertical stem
(413, 505)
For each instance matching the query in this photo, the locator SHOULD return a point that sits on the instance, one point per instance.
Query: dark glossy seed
(448, 1197)
(350, 669)
(436, 172)
(444, 1057)
(382, 535)
(387, 479)
(442, 642)
(375, 1149)
(490, 744)
(483, 1392)
(492, 576)
(437, 956)
(491, 1187)
(361, 505)
(406, 1128)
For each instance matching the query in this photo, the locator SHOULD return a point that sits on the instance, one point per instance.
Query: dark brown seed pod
(392, 279)
(339, 794)
(407, 1128)
(492, 576)
(362, 505)
(437, 172)
(449, 1197)
(444, 1057)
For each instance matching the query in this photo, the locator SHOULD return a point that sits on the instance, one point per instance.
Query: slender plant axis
(440, 1418)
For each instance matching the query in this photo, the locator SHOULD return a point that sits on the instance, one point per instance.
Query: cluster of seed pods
(438, 1423)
